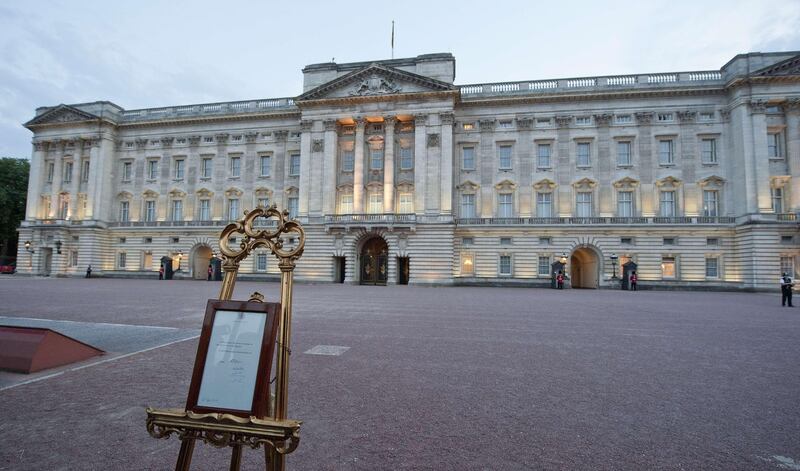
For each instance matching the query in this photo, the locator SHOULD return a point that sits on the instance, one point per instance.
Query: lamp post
(31, 252)
(614, 259)
(180, 256)
(58, 244)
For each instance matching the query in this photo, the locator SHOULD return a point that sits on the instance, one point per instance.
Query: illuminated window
(668, 267)
(467, 264)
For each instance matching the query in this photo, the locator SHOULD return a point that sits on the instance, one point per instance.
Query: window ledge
(546, 169)
(234, 178)
(773, 159)
(584, 167)
(666, 165)
(709, 164)
(264, 176)
(624, 165)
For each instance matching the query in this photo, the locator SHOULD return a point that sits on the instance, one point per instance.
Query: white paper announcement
(229, 376)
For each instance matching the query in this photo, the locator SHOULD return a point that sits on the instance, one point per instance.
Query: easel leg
(236, 457)
(185, 456)
(275, 461)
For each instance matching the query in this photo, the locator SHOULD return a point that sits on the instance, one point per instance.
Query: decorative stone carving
(389, 121)
(281, 135)
(603, 119)
(233, 192)
(563, 121)
(524, 123)
(177, 193)
(758, 106)
(420, 119)
(194, 140)
(486, 125)
(141, 143)
(545, 184)
(305, 125)
(626, 183)
(644, 117)
(375, 85)
(446, 119)
(263, 192)
(506, 185)
(792, 106)
(250, 137)
(150, 194)
(668, 182)
(330, 124)
(713, 181)
(317, 145)
(167, 141)
(468, 186)
(204, 193)
(221, 138)
(686, 116)
(433, 140)
(725, 115)
(585, 183)
(39, 146)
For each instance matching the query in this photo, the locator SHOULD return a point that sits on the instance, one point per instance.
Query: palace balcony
(388, 220)
(581, 221)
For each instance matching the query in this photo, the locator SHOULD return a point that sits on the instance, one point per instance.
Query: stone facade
(694, 176)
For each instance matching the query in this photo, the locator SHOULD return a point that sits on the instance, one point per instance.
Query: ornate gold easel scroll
(278, 435)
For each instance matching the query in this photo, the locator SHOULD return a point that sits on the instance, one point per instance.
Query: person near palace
(210, 271)
(786, 289)
(560, 280)
(633, 279)
(89, 271)
(161, 272)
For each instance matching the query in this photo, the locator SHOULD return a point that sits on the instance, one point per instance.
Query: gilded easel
(278, 435)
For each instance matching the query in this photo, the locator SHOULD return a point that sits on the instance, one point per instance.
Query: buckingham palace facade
(400, 176)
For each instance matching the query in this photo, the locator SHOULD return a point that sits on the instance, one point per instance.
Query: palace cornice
(355, 100)
(215, 118)
(746, 81)
(594, 96)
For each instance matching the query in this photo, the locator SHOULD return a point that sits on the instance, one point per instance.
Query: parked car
(8, 266)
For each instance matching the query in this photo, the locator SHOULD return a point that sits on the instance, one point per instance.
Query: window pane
(346, 204)
(544, 205)
(625, 204)
(583, 154)
(708, 151)
(235, 166)
(667, 203)
(504, 153)
(294, 165)
(712, 269)
(665, 151)
(467, 206)
(467, 264)
(623, 153)
(468, 157)
(668, 267)
(406, 203)
(543, 156)
(265, 167)
(293, 207)
(205, 210)
(584, 204)
(710, 203)
(505, 264)
(406, 158)
(544, 265)
(506, 205)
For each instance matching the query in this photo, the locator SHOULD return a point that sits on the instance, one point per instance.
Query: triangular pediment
(62, 114)
(790, 66)
(375, 80)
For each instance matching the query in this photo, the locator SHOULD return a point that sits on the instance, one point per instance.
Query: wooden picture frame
(234, 358)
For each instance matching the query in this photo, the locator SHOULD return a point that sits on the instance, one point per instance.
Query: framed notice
(234, 358)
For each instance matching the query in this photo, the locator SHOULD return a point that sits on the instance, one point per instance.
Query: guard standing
(89, 271)
(560, 280)
(161, 272)
(786, 289)
(210, 271)
(633, 279)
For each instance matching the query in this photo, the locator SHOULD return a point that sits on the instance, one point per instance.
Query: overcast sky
(144, 53)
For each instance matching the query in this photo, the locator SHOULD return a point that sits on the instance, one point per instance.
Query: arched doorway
(374, 262)
(585, 268)
(201, 257)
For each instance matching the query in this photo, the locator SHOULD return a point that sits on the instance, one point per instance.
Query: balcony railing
(607, 83)
(208, 109)
(371, 218)
(595, 220)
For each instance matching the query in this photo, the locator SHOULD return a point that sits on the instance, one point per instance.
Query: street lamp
(614, 259)
(180, 256)
(28, 246)
(31, 252)
(58, 247)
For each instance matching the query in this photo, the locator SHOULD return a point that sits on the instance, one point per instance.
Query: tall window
(233, 209)
(264, 167)
(152, 169)
(787, 266)
(544, 205)
(124, 208)
(179, 169)
(505, 265)
(666, 150)
(468, 206)
(667, 204)
(177, 210)
(126, 171)
(261, 262)
(406, 157)
(710, 203)
(468, 158)
(777, 200)
(346, 203)
(51, 168)
(63, 209)
(206, 167)
(544, 266)
(668, 267)
(543, 156)
(774, 150)
(712, 267)
(205, 210)
(150, 211)
(467, 263)
(263, 202)
(375, 202)
(505, 205)
(236, 166)
(583, 204)
(504, 154)
(294, 165)
(625, 204)
(624, 153)
(582, 159)
(708, 151)
(73, 258)
(348, 156)
(85, 171)
(376, 156)
(67, 172)
(122, 260)
(406, 203)
(292, 203)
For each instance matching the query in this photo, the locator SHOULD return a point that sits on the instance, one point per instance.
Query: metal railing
(370, 218)
(595, 220)
(208, 109)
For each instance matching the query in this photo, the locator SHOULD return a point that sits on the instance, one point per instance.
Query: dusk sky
(148, 53)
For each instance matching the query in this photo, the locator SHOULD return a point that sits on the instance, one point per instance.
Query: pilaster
(329, 167)
(487, 166)
(35, 181)
(388, 165)
(305, 167)
(758, 153)
(420, 161)
(446, 164)
(358, 168)
(793, 151)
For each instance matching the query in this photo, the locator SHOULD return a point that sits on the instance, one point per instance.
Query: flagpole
(392, 39)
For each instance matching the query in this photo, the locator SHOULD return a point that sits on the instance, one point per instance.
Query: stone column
(55, 206)
(279, 177)
(35, 181)
(97, 169)
(605, 166)
(793, 151)
(329, 168)
(487, 168)
(692, 204)
(305, 168)
(446, 162)
(646, 205)
(420, 161)
(388, 165)
(759, 160)
(358, 168)
(564, 168)
(526, 156)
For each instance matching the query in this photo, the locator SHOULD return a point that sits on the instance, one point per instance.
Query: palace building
(401, 176)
